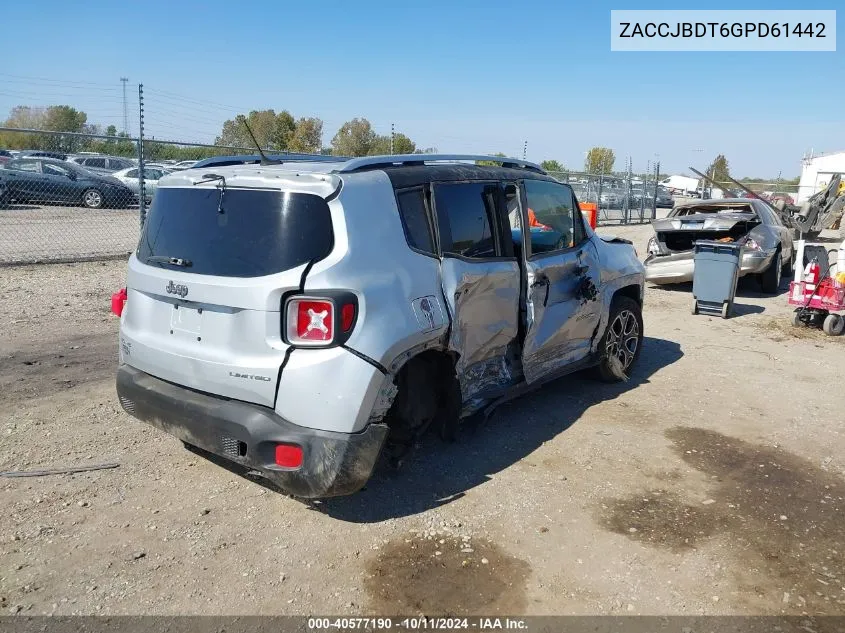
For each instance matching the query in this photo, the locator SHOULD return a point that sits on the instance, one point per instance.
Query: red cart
(819, 305)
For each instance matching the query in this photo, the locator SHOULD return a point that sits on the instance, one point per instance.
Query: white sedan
(129, 177)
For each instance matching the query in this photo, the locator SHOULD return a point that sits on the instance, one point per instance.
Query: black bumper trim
(333, 463)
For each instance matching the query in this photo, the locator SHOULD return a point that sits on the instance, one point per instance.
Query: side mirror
(71, 175)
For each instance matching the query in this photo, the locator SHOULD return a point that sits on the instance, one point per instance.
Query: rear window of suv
(250, 234)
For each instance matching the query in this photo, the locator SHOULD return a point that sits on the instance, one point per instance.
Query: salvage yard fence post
(142, 195)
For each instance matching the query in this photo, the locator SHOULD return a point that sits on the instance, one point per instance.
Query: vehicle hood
(702, 222)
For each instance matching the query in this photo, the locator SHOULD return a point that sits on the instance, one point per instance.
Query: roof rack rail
(420, 159)
(243, 159)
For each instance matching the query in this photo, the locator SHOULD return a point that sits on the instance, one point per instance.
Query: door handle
(542, 280)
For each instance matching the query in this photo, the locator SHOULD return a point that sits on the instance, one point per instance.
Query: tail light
(288, 455)
(118, 302)
(750, 244)
(319, 321)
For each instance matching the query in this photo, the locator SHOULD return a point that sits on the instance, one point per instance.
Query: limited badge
(428, 313)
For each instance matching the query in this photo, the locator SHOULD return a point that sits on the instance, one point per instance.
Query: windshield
(236, 232)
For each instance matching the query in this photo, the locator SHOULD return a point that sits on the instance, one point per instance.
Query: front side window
(466, 213)
(554, 221)
(95, 162)
(54, 170)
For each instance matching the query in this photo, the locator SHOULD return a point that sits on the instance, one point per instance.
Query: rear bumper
(679, 268)
(246, 434)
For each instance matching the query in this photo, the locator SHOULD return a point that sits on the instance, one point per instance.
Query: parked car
(34, 153)
(5, 156)
(29, 180)
(102, 164)
(781, 196)
(302, 322)
(611, 199)
(152, 175)
(183, 164)
(662, 199)
(767, 244)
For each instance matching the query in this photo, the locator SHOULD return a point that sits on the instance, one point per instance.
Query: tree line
(274, 132)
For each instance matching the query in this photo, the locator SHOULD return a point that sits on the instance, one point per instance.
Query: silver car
(130, 177)
(767, 244)
(298, 319)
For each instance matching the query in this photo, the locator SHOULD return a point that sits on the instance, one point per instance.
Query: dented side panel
(483, 302)
(562, 309)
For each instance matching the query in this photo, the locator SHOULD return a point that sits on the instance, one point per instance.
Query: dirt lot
(712, 482)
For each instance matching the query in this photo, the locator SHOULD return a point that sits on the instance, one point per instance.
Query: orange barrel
(590, 211)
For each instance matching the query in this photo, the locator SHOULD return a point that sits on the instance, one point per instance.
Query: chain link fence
(619, 199)
(76, 197)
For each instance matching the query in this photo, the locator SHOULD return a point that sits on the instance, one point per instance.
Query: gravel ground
(710, 483)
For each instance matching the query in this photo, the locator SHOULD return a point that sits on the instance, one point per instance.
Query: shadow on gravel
(779, 515)
(53, 366)
(437, 473)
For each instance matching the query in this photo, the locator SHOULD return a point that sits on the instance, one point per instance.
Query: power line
(58, 81)
(192, 100)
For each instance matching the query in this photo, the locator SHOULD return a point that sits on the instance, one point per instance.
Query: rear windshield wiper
(173, 261)
(222, 187)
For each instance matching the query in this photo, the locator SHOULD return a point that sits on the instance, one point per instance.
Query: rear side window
(466, 212)
(415, 219)
(95, 162)
(254, 232)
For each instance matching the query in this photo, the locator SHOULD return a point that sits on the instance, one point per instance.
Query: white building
(816, 172)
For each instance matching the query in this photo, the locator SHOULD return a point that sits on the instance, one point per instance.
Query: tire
(92, 199)
(789, 266)
(622, 340)
(833, 325)
(694, 306)
(727, 309)
(796, 318)
(770, 278)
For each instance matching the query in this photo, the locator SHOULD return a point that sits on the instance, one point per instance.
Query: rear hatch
(205, 286)
(677, 234)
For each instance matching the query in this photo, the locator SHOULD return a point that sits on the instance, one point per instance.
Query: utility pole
(524, 150)
(392, 137)
(123, 80)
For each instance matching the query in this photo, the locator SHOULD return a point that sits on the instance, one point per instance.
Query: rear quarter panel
(372, 258)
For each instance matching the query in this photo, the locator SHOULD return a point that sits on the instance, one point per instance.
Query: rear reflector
(310, 321)
(288, 455)
(118, 302)
(347, 317)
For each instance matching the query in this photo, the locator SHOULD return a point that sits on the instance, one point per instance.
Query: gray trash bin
(715, 276)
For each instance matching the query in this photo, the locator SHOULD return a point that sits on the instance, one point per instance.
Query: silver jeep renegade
(302, 318)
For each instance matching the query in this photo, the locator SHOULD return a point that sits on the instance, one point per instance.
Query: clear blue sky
(458, 75)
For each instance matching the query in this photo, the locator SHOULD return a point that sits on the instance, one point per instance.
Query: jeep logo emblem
(177, 289)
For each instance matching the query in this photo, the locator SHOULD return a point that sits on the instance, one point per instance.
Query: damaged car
(767, 244)
(303, 319)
